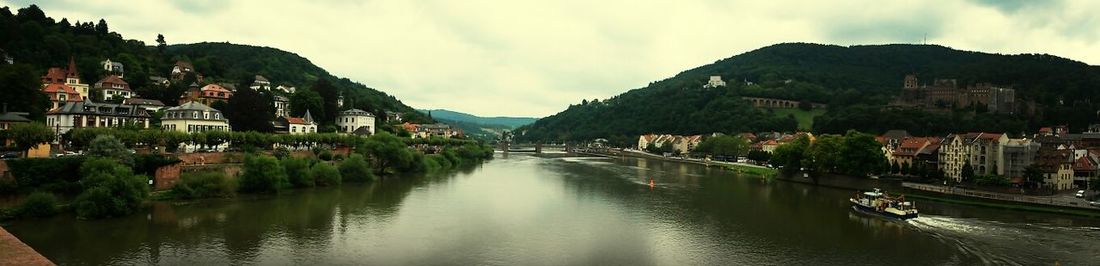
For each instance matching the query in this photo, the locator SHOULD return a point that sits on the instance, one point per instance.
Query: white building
(282, 106)
(295, 125)
(113, 87)
(286, 89)
(355, 121)
(112, 67)
(261, 83)
(714, 82)
(88, 114)
(193, 117)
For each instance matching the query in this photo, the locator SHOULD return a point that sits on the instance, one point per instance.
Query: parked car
(10, 155)
(1080, 194)
(1095, 203)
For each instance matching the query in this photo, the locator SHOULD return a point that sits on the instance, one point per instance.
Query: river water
(525, 210)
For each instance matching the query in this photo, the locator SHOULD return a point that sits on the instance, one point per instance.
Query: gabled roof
(55, 74)
(139, 101)
(364, 130)
(90, 108)
(896, 134)
(184, 65)
(14, 117)
(356, 112)
(260, 78)
(113, 79)
(192, 106)
(214, 87)
(297, 121)
(62, 88)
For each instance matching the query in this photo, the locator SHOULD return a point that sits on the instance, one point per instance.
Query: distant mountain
(857, 82)
(511, 122)
(476, 126)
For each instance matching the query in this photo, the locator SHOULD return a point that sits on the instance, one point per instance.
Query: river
(525, 210)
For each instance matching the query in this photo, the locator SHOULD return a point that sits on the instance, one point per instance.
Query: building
(1057, 167)
(88, 114)
(982, 151)
(193, 117)
(181, 69)
(7, 119)
(260, 83)
(113, 87)
(69, 77)
(159, 81)
(945, 94)
(355, 121)
(714, 82)
(907, 151)
(392, 116)
(150, 106)
(206, 95)
(286, 89)
(60, 94)
(1018, 154)
(114, 68)
(282, 105)
(681, 144)
(295, 125)
(686, 144)
(1085, 168)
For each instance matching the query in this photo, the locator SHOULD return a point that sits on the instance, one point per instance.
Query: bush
(326, 155)
(107, 146)
(297, 171)
(338, 157)
(110, 189)
(203, 185)
(325, 174)
(38, 204)
(56, 175)
(355, 169)
(281, 153)
(262, 174)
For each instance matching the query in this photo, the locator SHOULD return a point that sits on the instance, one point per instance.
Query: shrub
(326, 155)
(325, 174)
(107, 146)
(110, 189)
(262, 174)
(355, 169)
(281, 153)
(338, 157)
(56, 175)
(38, 204)
(203, 185)
(297, 171)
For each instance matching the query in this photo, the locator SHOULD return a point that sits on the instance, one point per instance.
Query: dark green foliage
(147, 164)
(967, 172)
(724, 145)
(759, 156)
(992, 180)
(22, 92)
(249, 110)
(58, 175)
(203, 185)
(325, 174)
(297, 171)
(110, 189)
(325, 155)
(262, 174)
(388, 151)
(304, 100)
(281, 153)
(790, 155)
(38, 204)
(355, 169)
(107, 146)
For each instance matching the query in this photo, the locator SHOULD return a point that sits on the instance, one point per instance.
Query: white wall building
(355, 121)
(714, 82)
(89, 114)
(193, 117)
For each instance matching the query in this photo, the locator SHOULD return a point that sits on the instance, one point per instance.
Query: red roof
(54, 74)
(1084, 164)
(112, 79)
(62, 88)
(296, 120)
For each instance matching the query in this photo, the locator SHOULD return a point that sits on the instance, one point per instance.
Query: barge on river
(879, 203)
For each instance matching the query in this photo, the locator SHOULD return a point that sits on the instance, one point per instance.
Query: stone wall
(166, 177)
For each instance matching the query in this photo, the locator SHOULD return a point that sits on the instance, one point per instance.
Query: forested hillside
(857, 82)
(36, 42)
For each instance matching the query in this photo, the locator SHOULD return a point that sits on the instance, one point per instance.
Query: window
(205, 115)
(195, 115)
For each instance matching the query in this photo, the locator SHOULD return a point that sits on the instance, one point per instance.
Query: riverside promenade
(15, 252)
(1049, 201)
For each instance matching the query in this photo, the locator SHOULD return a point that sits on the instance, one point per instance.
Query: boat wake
(1014, 243)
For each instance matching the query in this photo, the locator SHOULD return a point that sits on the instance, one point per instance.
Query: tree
(162, 45)
(22, 91)
(861, 154)
(790, 155)
(101, 27)
(330, 95)
(759, 156)
(325, 174)
(110, 189)
(249, 110)
(967, 173)
(825, 155)
(1034, 175)
(107, 146)
(297, 171)
(307, 100)
(29, 135)
(895, 168)
(724, 145)
(388, 152)
(262, 174)
(355, 169)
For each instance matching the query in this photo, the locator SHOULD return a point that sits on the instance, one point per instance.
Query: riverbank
(741, 168)
(15, 252)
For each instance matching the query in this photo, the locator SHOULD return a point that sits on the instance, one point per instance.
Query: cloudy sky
(534, 58)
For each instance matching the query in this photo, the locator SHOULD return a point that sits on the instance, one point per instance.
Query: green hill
(857, 82)
(37, 42)
(487, 128)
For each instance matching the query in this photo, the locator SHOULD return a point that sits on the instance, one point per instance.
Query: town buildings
(150, 106)
(60, 94)
(193, 117)
(714, 82)
(112, 68)
(114, 88)
(680, 144)
(282, 105)
(1018, 155)
(68, 77)
(260, 83)
(355, 121)
(295, 125)
(981, 151)
(206, 95)
(88, 114)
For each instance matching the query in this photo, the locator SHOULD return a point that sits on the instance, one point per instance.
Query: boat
(879, 203)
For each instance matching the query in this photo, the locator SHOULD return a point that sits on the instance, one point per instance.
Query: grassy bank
(760, 171)
(805, 118)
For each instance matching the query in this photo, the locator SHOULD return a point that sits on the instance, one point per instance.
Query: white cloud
(534, 58)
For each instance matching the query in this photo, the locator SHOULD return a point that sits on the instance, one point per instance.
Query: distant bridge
(531, 147)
